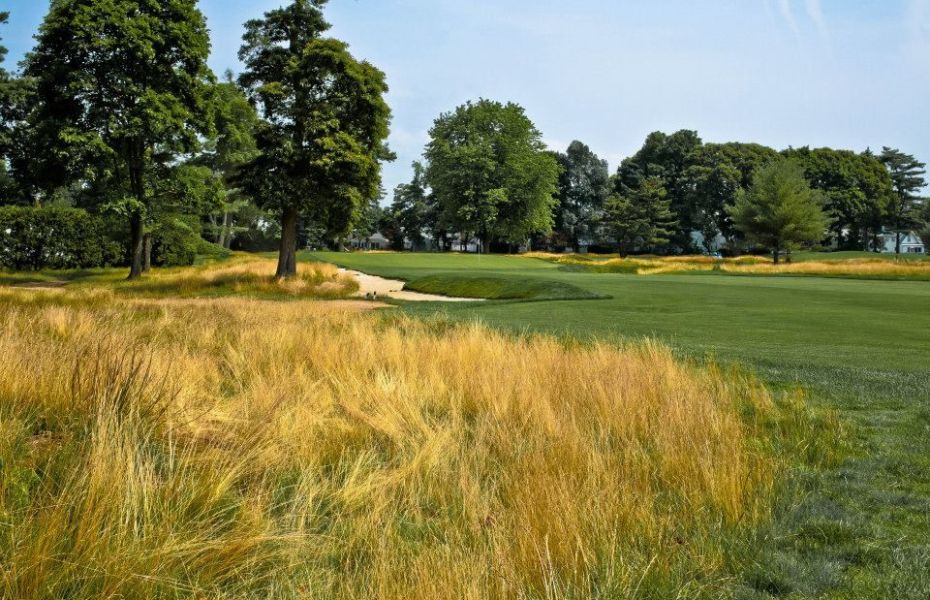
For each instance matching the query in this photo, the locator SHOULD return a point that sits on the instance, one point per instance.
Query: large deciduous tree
(324, 129)
(780, 210)
(119, 81)
(856, 190)
(491, 174)
(907, 176)
(583, 188)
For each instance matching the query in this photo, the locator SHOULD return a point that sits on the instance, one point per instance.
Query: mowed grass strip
(241, 448)
(499, 288)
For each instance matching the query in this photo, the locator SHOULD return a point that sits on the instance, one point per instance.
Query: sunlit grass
(866, 268)
(243, 448)
(242, 275)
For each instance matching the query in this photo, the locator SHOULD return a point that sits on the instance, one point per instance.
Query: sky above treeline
(840, 73)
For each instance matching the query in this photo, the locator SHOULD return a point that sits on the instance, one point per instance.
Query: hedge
(53, 238)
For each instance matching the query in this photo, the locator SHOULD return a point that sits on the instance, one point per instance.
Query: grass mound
(235, 448)
(499, 288)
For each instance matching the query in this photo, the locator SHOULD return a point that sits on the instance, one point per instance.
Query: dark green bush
(52, 238)
(175, 241)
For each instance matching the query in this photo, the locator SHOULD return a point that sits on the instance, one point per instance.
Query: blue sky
(841, 73)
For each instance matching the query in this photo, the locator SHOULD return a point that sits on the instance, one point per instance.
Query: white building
(911, 243)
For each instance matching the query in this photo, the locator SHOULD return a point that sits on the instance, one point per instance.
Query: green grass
(499, 288)
(861, 530)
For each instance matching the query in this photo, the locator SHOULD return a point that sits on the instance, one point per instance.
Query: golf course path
(372, 285)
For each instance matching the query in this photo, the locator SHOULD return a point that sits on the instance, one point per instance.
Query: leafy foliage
(121, 86)
(53, 238)
(490, 172)
(325, 123)
(583, 188)
(780, 211)
(642, 219)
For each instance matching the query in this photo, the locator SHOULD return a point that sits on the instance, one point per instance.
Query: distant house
(376, 241)
(910, 243)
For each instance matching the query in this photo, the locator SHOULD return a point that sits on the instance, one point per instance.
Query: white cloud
(815, 12)
(787, 13)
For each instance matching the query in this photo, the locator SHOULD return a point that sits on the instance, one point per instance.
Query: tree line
(486, 174)
(115, 125)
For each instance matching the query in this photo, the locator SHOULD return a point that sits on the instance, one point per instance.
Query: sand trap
(394, 288)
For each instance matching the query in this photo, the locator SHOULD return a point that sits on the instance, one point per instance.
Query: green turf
(499, 288)
(861, 530)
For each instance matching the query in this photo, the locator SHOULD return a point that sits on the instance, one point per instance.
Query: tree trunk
(777, 254)
(897, 242)
(146, 252)
(223, 230)
(135, 246)
(287, 257)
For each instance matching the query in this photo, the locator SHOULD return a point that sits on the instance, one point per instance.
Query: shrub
(57, 238)
(175, 242)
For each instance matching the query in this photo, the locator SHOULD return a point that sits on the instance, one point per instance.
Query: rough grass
(220, 448)
(498, 288)
(854, 267)
(242, 275)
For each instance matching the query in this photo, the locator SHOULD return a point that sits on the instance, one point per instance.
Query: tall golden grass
(867, 268)
(234, 448)
(243, 274)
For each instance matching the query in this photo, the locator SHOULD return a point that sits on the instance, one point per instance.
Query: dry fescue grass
(237, 448)
(244, 275)
(871, 268)
(866, 268)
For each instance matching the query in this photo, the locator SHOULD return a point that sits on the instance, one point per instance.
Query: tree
(925, 222)
(490, 173)
(583, 188)
(235, 123)
(667, 157)
(643, 219)
(119, 81)
(780, 210)
(856, 189)
(410, 208)
(907, 179)
(716, 175)
(15, 95)
(324, 129)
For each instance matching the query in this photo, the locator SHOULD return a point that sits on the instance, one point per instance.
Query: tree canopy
(583, 188)
(490, 172)
(324, 125)
(780, 211)
(642, 218)
(120, 83)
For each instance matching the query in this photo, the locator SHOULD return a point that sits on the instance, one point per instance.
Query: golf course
(859, 347)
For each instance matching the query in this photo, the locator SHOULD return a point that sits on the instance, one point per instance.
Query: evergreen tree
(907, 176)
(780, 210)
(643, 219)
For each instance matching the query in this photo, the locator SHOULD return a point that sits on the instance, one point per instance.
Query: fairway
(861, 347)
(874, 333)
